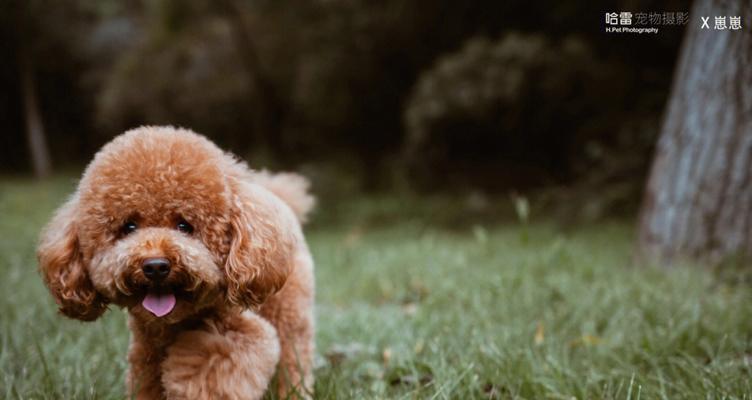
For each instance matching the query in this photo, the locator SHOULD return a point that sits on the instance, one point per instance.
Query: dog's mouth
(158, 299)
(162, 300)
(159, 303)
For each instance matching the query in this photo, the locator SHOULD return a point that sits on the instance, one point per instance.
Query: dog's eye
(184, 226)
(128, 228)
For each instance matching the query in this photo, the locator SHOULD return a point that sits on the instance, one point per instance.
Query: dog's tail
(291, 188)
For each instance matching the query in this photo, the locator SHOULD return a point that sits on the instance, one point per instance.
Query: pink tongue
(159, 304)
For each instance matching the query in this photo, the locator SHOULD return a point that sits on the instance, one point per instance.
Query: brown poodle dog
(207, 256)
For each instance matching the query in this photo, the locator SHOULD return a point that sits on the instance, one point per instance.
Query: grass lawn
(409, 308)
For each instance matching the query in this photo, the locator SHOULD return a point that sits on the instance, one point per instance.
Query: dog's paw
(209, 365)
(188, 367)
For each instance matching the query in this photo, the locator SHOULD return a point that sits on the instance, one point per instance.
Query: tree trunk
(40, 155)
(698, 200)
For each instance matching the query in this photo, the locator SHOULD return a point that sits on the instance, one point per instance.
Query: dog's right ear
(62, 267)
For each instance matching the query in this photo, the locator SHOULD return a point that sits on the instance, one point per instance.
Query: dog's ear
(263, 241)
(63, 270)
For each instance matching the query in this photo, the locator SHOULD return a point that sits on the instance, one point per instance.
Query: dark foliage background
(432, 96)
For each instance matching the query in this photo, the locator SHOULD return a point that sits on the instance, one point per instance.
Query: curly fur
(243, 279)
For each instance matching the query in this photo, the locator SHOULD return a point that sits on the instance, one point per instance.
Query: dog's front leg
(233, 358)
(144, 374)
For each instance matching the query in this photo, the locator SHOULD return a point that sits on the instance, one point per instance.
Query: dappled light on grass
(410, 308)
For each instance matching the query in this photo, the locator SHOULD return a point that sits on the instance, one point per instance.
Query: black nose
(156, 269)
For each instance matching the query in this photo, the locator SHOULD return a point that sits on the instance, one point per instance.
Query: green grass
(422, 300)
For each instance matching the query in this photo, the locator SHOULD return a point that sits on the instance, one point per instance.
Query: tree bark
(698, 200)
(40, 155)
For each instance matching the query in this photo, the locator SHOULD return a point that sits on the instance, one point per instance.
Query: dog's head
(166, 224)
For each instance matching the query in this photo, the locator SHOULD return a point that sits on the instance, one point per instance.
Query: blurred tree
(26, 33)
(40, 154)
(41, 96)
(698, 202)
(328, 84)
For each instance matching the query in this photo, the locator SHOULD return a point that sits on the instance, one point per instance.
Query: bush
(506, 113)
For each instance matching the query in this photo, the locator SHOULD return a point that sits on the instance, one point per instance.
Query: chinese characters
(734, 23)
(626, 18)
(649, 22)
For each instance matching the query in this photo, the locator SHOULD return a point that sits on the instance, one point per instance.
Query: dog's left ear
(261, 254)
